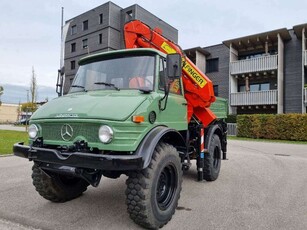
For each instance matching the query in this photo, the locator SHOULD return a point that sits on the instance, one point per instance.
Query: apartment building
(260, 73)
(101, 29)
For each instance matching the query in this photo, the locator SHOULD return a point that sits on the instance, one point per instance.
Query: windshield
(131, 72)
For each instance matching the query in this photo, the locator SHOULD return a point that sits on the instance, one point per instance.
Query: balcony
(264, 63)
(305, 57)
(305, 95)
(268, 97)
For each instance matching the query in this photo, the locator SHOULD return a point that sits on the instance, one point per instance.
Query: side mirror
(173, 65)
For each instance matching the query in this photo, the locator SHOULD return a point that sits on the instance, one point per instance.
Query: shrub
(270, 126)
(244, 126)
(28, 107)
(231, 118)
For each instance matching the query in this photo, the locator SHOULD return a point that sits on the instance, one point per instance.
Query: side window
(175, 86)
(162, 73)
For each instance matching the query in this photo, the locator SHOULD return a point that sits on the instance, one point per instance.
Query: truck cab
(114, 101)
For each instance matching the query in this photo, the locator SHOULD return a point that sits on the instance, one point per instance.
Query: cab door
(174, 110)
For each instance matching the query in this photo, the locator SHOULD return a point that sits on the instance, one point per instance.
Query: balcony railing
(268, 97)
(305, 57)
(305, 95)
(264, 63)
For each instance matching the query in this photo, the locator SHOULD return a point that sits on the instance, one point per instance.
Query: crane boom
(198, 87)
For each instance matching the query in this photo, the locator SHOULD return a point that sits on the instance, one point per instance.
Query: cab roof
(120, 53)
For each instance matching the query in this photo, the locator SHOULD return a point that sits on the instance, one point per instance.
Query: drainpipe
(266, 47)
(247, 89)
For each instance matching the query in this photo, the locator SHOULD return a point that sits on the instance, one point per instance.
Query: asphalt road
(261, 186)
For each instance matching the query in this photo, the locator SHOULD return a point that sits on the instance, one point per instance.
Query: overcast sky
(30, 29)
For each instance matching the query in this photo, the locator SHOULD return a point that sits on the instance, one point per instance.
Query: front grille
(126, 136)
(52, 131)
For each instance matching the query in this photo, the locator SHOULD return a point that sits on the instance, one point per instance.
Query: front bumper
(78, 159)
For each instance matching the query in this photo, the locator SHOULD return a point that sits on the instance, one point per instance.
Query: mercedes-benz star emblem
(66, 132)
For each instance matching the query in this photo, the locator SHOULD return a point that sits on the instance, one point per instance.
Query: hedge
(231, 118)
(270, 126)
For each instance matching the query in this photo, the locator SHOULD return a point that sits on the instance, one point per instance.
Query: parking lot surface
(261, 186)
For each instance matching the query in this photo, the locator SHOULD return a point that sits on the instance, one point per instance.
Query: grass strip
(8, 138)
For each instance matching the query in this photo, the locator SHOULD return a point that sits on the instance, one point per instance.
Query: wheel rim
(166, 187)
(217, 157)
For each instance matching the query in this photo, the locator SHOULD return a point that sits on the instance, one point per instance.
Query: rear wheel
(212, 160)
(56, 187)
(153, 193)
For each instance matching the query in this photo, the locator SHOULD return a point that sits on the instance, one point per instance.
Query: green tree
(1, 92)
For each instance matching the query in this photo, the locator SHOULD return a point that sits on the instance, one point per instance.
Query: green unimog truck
(124, 114)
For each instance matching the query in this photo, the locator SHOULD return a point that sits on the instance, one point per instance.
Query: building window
(212, 65)
(73, 65)
(100, 18)
(255, 87)
(73, 29)
(84, 43)
(73, 47)
(130, 13)
(85, 25)
(242, 88)
(259, 87)
(128, 16)
(216, 90)
(100, 38)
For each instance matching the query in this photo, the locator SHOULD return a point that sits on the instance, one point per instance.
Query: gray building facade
(101, 29)
(260, 73)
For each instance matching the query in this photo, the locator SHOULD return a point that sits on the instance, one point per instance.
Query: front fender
(149, 143)
(213, 129)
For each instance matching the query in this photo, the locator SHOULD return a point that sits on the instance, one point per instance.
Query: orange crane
(197, 86)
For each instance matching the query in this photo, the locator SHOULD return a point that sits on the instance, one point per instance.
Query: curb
(7, 155)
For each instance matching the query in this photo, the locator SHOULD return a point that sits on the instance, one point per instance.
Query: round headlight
(105, 134)
(32, 131)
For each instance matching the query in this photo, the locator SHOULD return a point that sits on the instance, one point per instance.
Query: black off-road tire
(212, 160)
(56, 187)
(152, 194)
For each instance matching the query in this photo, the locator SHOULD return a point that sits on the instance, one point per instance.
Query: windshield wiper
(107, 84)
(145, 90)
(78, 86)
